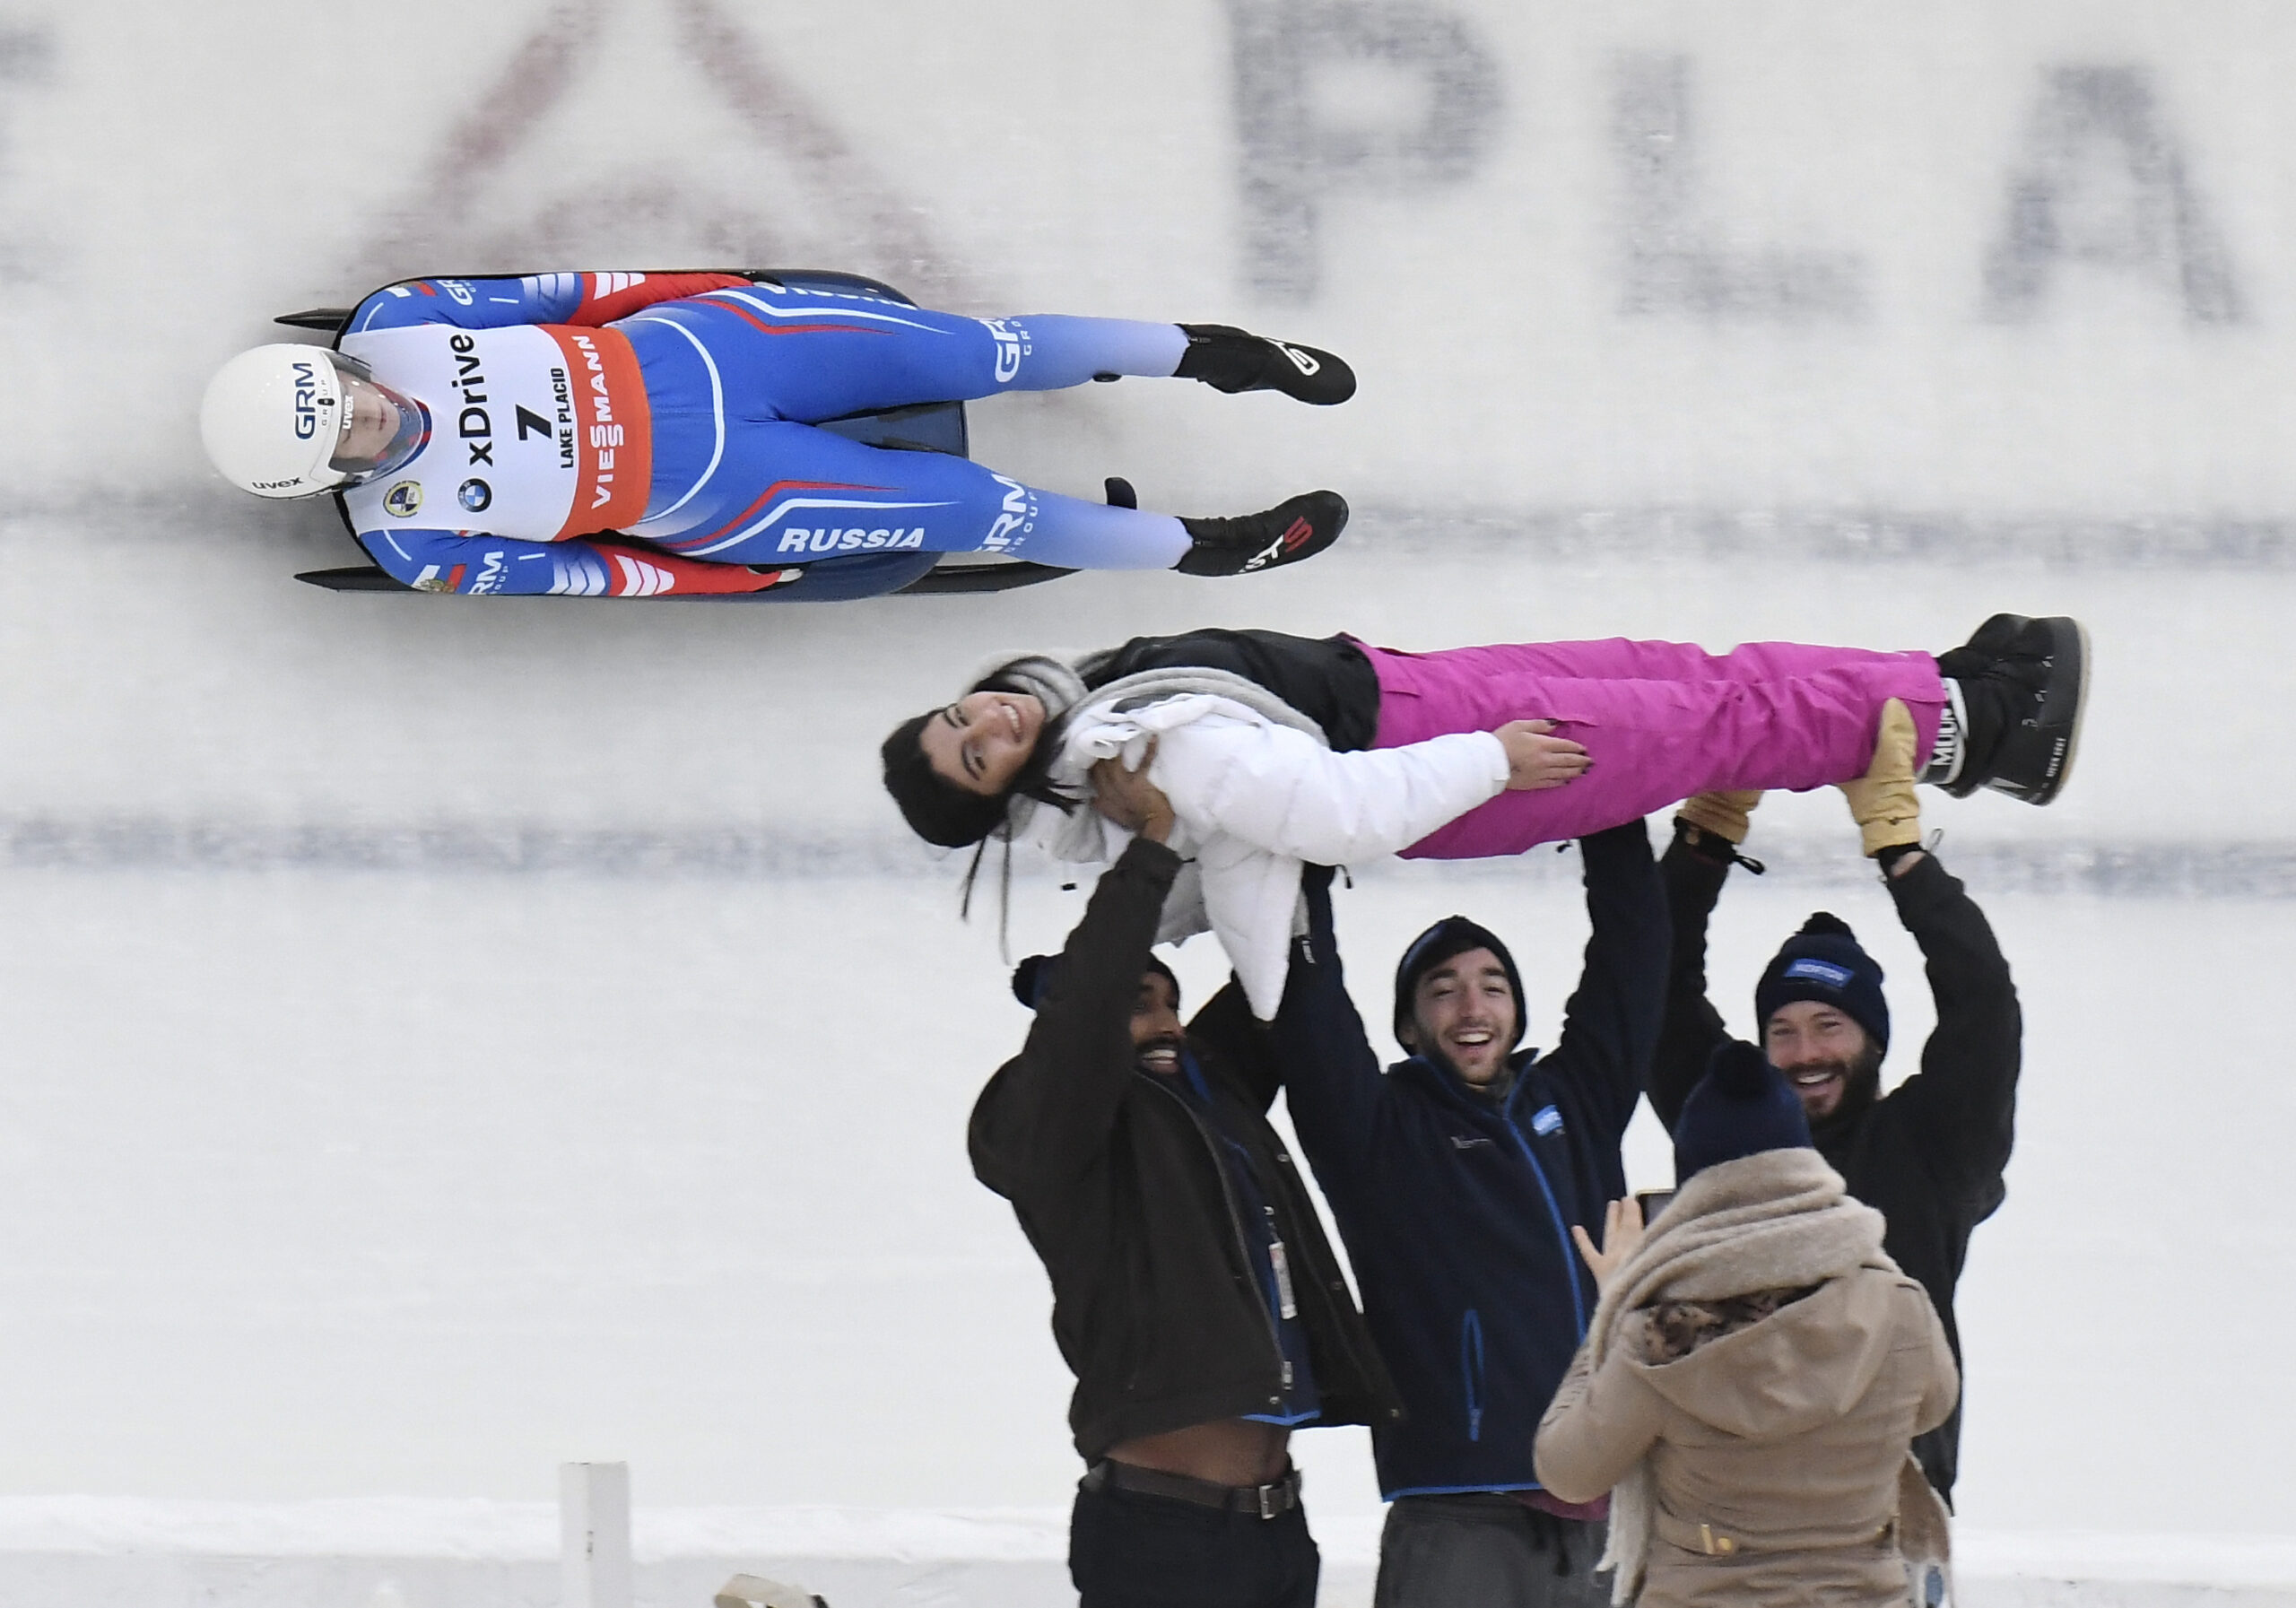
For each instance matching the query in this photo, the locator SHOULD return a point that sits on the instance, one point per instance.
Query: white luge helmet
(270, 419)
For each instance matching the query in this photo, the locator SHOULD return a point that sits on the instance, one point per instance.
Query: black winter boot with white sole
(1293, 530)
(1232, 360)
(2017, 690)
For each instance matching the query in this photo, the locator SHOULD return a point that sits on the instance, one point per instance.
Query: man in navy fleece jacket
(1456, 1177)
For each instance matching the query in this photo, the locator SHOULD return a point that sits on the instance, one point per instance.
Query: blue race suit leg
(809, 355)
(740, 478)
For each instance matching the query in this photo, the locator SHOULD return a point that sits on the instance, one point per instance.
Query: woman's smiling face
(980, 742)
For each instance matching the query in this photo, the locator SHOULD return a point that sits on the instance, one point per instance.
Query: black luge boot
(1232, 360)
(2023, 687)
(1295, 529)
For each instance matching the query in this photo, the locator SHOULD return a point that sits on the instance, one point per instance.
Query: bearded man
(1930, 1153)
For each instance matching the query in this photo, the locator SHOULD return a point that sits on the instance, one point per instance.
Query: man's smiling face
(1465, 1008)
(1156, 1033)
(1819, 1049)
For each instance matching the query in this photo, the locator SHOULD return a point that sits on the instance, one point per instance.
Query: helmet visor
(382, 428)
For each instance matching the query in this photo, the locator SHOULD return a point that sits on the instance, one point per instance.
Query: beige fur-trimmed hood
(1805, 1364)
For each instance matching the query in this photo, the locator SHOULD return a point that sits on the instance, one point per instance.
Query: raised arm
(1316, 1047)
(1961, 1108)
(1692, 872)
(1225, 1026)
(1610, 1027)
(586, 299)
(446, 560)
(1047, 1118)
(1331, 1080)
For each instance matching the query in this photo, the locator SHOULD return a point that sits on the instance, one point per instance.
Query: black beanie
(1035, 974)
(936, 809)
(1824, 963)
(1742, 1106)
(1452, 935)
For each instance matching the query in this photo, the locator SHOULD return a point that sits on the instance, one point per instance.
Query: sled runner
(927, 427)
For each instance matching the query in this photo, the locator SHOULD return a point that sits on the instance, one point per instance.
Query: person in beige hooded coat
(1755, 1373)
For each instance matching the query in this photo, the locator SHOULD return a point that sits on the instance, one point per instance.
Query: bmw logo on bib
(474, 495)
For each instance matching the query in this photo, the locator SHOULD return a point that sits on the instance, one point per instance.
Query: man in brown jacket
(1755, 1373)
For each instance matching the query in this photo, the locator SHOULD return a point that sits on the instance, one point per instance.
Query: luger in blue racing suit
(675, 410)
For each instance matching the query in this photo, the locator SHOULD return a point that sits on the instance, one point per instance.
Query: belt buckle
(1266, 1506)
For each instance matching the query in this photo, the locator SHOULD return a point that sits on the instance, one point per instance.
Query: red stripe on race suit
(768, 495)
(687, 576)
(598, 309)
(613, 433)
(748, 316)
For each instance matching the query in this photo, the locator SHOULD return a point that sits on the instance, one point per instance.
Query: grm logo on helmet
(1820, 971)
(308, 401)
(402, 498)
(475, 494)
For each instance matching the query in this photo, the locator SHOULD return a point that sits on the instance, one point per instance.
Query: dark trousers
(1482, 1550)
(1130, 1550)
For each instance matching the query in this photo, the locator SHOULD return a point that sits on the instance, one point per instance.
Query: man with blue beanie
(1456, 1177)
(1930, 1153)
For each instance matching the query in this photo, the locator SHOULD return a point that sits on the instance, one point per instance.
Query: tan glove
(1882, 801)
(1724, 814)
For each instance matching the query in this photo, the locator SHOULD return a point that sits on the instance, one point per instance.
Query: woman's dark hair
(936, 809)
(939, 810)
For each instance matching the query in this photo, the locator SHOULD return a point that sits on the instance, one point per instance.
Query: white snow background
(451, 1037)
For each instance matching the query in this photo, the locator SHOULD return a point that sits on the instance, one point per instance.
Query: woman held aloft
(1277, 751)
(1755, 1373)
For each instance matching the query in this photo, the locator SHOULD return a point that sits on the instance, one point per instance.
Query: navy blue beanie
(1451, 936)
(1824, 963)
(1742, 1106)
(1035, 974)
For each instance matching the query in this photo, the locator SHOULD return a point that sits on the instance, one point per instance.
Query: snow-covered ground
(448, 1039)
(406, 1554)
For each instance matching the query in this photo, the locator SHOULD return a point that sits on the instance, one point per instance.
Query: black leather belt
(1266, 1501)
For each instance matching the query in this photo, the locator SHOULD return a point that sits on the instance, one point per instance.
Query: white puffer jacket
(1255, 801)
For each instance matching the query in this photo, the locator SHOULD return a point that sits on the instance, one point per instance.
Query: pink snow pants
(1660, 720)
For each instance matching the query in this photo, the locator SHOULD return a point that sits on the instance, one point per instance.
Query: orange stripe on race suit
(613, 435)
